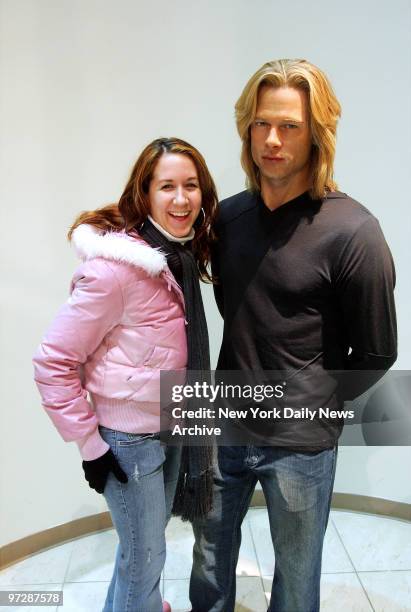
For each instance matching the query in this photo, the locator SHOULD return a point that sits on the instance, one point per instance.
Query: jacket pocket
(143, 383)
(157, 357)
(129, 353)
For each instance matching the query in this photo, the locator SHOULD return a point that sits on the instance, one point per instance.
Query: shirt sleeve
(365, 282)
(95, 306)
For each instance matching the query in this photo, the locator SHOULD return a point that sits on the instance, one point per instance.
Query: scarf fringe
(193, 499)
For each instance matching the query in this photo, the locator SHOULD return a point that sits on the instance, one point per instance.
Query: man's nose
(273, 139)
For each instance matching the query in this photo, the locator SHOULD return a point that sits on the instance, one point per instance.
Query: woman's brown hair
(134, 205)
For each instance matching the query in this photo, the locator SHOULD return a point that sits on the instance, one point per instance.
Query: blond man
(306, 283)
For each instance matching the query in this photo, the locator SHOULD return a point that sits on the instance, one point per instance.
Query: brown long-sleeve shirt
(307, 287)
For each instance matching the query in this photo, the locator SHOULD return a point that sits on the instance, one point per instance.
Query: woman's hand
(97, 471)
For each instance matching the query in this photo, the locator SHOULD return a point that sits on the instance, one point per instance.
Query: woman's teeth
(180, 214)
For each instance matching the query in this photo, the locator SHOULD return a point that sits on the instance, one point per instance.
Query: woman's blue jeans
(140, 510)
(297, 488)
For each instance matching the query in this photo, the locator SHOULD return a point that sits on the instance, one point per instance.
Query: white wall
(85, 85)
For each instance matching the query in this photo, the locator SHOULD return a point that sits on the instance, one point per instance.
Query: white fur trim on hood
(90, 243)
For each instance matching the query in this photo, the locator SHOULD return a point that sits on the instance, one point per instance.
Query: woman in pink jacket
(135, 309)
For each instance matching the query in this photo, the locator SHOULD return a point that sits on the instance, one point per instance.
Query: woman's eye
(259, 123)
(167, 186)
(192, 186)
(289, 126)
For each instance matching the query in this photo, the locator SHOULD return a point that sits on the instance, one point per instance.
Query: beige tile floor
(366, 567)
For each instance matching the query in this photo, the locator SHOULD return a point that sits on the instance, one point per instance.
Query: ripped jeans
(140, 510)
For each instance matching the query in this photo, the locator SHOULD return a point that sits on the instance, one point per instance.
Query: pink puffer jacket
(123, 323)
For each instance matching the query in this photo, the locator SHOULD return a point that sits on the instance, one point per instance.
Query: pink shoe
(166, 606)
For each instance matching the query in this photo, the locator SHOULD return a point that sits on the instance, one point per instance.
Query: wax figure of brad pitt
(314, 288)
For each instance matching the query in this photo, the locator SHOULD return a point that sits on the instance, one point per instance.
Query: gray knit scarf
(193, 498)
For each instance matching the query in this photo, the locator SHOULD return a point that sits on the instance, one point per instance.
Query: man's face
(281, 136)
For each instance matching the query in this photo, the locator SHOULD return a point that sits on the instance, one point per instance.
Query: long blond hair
(324, 110)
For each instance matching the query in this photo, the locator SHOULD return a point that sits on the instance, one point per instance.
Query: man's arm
(365, 281)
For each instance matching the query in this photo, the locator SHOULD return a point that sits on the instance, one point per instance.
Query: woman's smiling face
(175, 194)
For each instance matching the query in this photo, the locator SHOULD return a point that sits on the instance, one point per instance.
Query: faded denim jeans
(140, 510)
(297, 488)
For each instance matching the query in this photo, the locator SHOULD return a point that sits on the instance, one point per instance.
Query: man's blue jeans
(140, 510)
(297, 488)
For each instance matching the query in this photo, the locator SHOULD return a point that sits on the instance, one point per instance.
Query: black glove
(97, 471)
